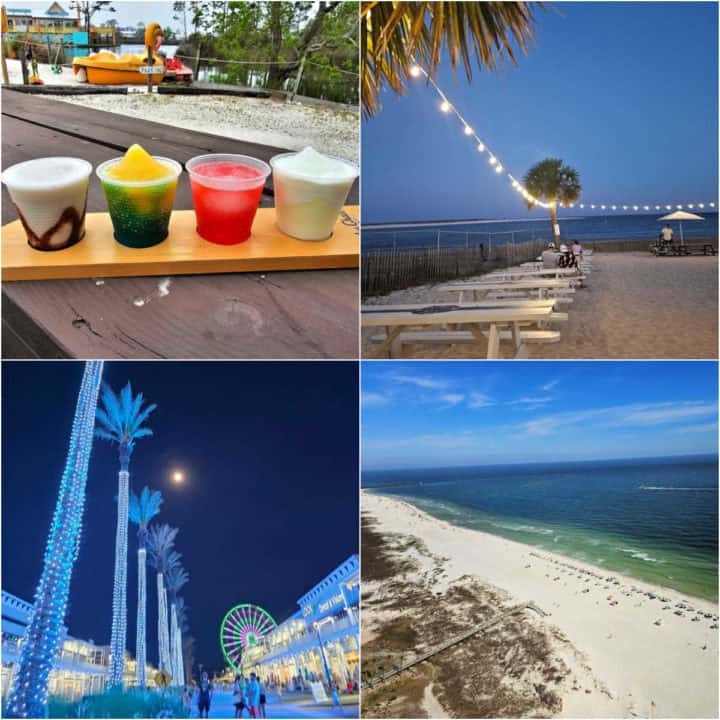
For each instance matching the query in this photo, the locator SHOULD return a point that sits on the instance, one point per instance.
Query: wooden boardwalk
(456, 640)
(307, 314)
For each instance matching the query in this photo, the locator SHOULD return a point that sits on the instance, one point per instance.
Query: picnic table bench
(541, 288)
(291, 314)
(481, 323)
(683, 249)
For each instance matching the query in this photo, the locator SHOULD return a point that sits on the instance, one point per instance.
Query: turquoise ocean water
(652, 519)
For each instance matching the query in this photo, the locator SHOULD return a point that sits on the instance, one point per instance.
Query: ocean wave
(523, 528)
(640, 555)
(678, 489)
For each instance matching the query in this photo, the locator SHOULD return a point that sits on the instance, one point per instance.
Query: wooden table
(539, 288)
(397, 319)
(306, 314)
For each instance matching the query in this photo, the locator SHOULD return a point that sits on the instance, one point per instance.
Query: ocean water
(652, 519)
(595, 228)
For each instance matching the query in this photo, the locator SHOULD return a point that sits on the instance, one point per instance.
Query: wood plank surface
(291, 314)
(184, 252)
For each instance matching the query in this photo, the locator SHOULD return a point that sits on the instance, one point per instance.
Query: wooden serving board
(183, 253)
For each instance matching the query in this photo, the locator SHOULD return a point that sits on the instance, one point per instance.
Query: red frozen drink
(226, 190)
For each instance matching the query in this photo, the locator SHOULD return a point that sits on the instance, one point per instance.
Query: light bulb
(691, 206)
(602, 207)
(493, 160)
(592, 207)
(646, 207)
(481, 147)
(625, 207)
(668, 207)
(582, 207)
(657, 207)
(635, 207)
(712, 204)
(445, 106)
(614, 207)
(415, 71)
(572, 205)
(499, 169)
(679, 207)
(700, 205)
(468, 130)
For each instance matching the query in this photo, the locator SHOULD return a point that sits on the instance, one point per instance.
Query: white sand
(267, 122)
(674, 665)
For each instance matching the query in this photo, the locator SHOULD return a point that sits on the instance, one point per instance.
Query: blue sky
(626, 93)
(439, 414)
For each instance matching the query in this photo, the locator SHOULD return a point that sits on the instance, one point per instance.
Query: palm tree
(161, 539)
(555, 183)
(182, 626)
(28, 697)
(176, 577)
(396, 36)
(142, 509)
(121, 421)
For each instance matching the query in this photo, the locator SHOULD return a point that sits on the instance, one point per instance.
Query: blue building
(323, 632)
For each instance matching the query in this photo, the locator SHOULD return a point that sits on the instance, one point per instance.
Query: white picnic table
(475, 316)
(558, 273)
(541, 287)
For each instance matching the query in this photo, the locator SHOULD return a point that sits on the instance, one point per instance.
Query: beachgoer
(239, 699)
(263, 698)
(549, 257)
(564, 255)
(205, 690)
(253, 695)
(666, 234)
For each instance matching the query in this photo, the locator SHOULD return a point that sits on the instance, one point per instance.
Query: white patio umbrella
(681, 215)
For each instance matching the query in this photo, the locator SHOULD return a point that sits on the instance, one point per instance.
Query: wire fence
(387, 240)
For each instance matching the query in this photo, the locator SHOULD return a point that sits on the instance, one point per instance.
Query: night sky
(626, 93)
(269, 507)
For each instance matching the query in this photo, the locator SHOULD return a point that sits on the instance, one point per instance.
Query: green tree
(553, 182)
(397, 35)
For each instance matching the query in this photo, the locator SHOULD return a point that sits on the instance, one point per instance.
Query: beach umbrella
(681, 215)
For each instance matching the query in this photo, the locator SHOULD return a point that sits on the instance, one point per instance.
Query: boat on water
(107, 68)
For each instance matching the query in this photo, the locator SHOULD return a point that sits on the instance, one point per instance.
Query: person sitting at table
(666, 235)
(549, 257)
(564, 255)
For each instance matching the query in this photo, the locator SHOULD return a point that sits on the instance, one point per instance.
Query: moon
(178, 477)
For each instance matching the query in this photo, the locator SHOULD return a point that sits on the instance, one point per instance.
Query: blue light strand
(29, 693)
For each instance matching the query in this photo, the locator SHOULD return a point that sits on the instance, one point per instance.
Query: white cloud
(542, 400)
(372, 399)
(478, 400)
(670, 414)
(421, 381)
(705, 427)
(548, 386)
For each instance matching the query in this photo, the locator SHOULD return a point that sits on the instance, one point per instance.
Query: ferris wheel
(242, 627)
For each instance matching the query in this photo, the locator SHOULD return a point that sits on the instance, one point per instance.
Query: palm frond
(397, 35)
(121, 416)
(160, 541)
(144, 507)
(176, 577)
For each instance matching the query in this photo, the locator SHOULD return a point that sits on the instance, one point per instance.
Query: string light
(446, 107)
(29, 694)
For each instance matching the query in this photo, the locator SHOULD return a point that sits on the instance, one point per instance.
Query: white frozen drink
(310, 190)
(50, 195)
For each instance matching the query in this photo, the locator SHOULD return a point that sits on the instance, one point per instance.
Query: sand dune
(651, 651)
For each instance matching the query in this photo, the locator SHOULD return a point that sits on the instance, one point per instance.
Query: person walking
(263, 698)
(205, 690)
(239, 698)
(253, 696)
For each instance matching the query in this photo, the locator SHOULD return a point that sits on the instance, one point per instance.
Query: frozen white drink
(310, 191)
(50, 195)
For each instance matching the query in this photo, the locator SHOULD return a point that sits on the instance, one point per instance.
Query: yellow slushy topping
(138, 166)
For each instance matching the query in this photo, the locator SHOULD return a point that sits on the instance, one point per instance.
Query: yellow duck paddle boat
(107, 68)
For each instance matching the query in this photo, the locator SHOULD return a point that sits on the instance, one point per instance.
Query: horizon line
(546, 462)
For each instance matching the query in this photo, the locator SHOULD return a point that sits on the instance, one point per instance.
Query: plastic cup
(226, 191)
(307, 205)
(50, 195)
(140, 209)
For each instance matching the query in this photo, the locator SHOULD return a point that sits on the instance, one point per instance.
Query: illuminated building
(81, 667)
(327, 617)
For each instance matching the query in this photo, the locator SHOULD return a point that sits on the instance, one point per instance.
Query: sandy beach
(268, 122)
(617, 647)
(634, 305)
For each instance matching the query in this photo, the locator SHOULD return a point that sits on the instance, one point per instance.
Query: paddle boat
(107, 68)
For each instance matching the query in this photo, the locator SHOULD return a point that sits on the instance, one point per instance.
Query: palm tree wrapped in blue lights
(28, 697)
(161, 539)
(182, 628)
(121, 421)
(176, 578)
(142, 509)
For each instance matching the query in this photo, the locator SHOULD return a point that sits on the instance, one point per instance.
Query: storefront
(321, 637)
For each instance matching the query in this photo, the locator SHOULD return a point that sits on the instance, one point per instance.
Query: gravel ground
(268, 122)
